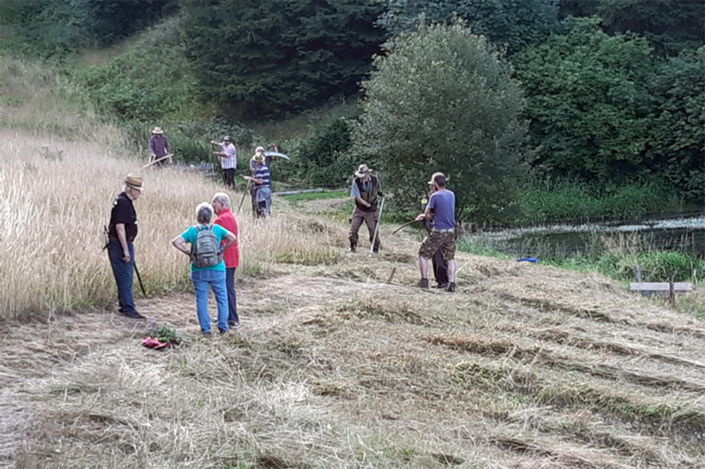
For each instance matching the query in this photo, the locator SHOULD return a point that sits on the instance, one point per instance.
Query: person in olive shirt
(121, 233)
(365, 189)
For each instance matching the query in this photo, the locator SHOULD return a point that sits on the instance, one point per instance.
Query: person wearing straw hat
(262, 186)
(158, 146)
(441, 210)
(228, 160)
(122, 231)
(365, 190)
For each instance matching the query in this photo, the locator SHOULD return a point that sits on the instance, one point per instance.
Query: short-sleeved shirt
(443, 205)
(190, 237)
(123, 212)
(227, 220)
(229, 161)
(262, 172)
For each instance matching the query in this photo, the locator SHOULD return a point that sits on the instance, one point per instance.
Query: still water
(681, 231)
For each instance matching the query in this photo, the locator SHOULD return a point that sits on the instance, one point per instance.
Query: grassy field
(339, 363)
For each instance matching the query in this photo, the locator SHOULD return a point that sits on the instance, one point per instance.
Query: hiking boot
(133, 315)
(451, 287)
(423, 283)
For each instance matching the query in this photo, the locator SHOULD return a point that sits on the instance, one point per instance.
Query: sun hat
(157, 130)
(134, 181)
(437, 175)
(362, 170)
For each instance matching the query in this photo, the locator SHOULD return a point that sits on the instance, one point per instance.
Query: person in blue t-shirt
(440, 209)
(213, 276)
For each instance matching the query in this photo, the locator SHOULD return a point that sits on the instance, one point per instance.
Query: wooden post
(637, 273)
(671, 292)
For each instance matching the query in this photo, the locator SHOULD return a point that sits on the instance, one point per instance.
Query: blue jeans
(122, 271)
(232, 298)
(201, 279)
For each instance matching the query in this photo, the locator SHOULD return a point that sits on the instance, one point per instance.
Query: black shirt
(123, 212)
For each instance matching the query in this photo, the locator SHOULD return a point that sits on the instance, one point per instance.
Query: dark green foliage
(321, 158)
(587, 104)
(149, 81)
(269, 57)
(669, 25)
(677, 123)
(55, 28)
(575, 201)
(513, 24)
(443, 100)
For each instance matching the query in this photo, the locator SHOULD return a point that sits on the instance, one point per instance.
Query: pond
(684, 231)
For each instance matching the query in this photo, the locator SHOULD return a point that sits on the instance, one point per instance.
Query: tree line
(606, 92)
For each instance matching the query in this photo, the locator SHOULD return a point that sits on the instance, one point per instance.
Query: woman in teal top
(213, 276)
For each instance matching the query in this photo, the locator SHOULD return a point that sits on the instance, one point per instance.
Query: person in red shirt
(231, 257)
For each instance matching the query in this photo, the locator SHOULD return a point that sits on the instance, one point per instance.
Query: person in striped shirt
(262, 183)
(228, 160)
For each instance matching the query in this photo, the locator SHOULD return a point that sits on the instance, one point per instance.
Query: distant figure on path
(365, 190)
(122, 231)
(158, 147)
(441, 210)
(231, 257)
(228, 160)
(207, 266)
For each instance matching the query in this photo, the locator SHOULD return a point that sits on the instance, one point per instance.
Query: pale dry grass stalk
(57, 196)
(60, 169)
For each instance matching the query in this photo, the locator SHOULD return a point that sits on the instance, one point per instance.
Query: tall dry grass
(60, 171)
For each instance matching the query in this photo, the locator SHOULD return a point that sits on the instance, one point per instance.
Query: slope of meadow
(524, 367)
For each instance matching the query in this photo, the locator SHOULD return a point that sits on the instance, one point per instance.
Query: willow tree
(443, 99)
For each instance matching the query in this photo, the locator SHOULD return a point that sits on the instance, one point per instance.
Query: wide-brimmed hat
(134, 181)
(362, 170)
(437, 175)
(157, 130)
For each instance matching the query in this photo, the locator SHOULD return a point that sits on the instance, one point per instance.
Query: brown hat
(134, 181)
(157, 130)
(362, 170)
(438, 176)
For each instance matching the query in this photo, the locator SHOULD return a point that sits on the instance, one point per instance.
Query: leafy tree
(266, 57)
(587, 103)
(443, 100)
(669, 25)
(677, 132)
(513, 24)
